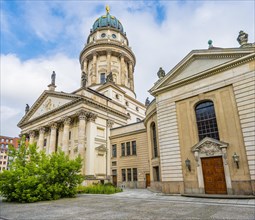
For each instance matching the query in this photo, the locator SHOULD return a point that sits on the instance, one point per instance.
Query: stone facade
(129, 156)
(224, 77)
(79, 122)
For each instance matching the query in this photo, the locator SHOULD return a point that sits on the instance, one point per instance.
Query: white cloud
(187, 26)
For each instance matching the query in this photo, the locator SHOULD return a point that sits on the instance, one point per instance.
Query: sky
(38, 37)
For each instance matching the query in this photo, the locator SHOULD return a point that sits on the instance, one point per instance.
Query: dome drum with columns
(106, 52)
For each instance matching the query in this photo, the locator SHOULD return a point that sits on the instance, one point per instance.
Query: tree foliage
(35, 176)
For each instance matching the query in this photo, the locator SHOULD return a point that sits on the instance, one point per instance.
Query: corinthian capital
(82, 115)
(66, 120)
(31, 133)
(91, 116)
(41, 130)
(109, 123)
(53, 125)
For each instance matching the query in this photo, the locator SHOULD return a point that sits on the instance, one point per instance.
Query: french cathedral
(197, 136)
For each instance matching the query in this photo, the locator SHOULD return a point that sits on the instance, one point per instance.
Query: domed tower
(107, 55)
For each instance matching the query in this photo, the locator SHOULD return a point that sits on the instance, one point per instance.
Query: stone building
(4, 146)
(198, 135)
(80, 122)
(204, 111)
(129, 158)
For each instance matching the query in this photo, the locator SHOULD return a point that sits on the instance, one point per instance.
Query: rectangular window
(114, 172)
(70, 135)
(133, 147)
(134, 174)
(114, 150)
(123, 173)
(45, 142)
(122, 149)
(129, 175)
(114, 163)
(102, 78)
(128, 148)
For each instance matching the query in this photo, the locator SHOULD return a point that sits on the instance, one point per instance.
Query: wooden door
(148, 180)
(114, 180)
(214, 176)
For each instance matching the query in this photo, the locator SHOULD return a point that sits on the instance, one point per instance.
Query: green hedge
(98, 189)
(35, 176)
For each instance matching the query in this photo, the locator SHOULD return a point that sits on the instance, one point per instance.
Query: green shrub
(98, 189)
(35, 176)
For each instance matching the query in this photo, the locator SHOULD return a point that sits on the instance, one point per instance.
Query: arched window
(154, 140)
(206, 120)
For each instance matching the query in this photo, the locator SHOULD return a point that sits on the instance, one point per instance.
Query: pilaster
(108, 61)
(94, 68)
(109, 124)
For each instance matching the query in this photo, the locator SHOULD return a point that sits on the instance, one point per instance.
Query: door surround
(209, 147)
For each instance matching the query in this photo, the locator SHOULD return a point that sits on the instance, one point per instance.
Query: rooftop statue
(27, 108)
(53, 78)
(109, 78)
(147, 101)
(83, 80)
(161, 73)
(242, 38)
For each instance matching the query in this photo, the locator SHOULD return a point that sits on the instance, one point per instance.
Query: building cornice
(97, 47)
(81, 100)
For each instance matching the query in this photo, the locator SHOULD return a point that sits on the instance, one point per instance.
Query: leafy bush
(99, 189)
(35, 176)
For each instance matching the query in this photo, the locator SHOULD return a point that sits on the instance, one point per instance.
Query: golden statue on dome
(107, 8)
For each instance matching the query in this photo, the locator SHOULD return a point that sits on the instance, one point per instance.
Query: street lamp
(187, 163)
(236, 160)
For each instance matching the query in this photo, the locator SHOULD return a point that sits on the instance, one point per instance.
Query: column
(85, 66)
(108, 61)
(53, 134)
(65, 138)
(122, 70)
(130, 75)
(31, 137)
(94, 69)
(109, 124)
(90, 148)
(81, 138)
(60, 136)
(41, 138)
(84, 70)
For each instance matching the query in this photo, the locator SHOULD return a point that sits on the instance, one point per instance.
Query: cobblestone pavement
(130, 204)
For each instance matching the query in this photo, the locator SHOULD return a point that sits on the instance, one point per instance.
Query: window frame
(206, 120)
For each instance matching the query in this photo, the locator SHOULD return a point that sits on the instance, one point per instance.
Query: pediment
(209, 146)
(48, 102)
(198, 63)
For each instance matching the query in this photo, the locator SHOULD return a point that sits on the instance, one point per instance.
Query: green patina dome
(108, 21)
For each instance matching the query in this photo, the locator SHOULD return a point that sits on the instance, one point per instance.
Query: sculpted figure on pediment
(209, 148)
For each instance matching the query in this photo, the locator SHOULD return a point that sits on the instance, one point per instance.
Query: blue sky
(38, 37)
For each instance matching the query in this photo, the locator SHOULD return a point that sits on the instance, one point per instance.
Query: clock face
(103, 35)
(114, 36)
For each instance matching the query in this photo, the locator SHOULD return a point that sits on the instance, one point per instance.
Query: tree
(35, 176)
